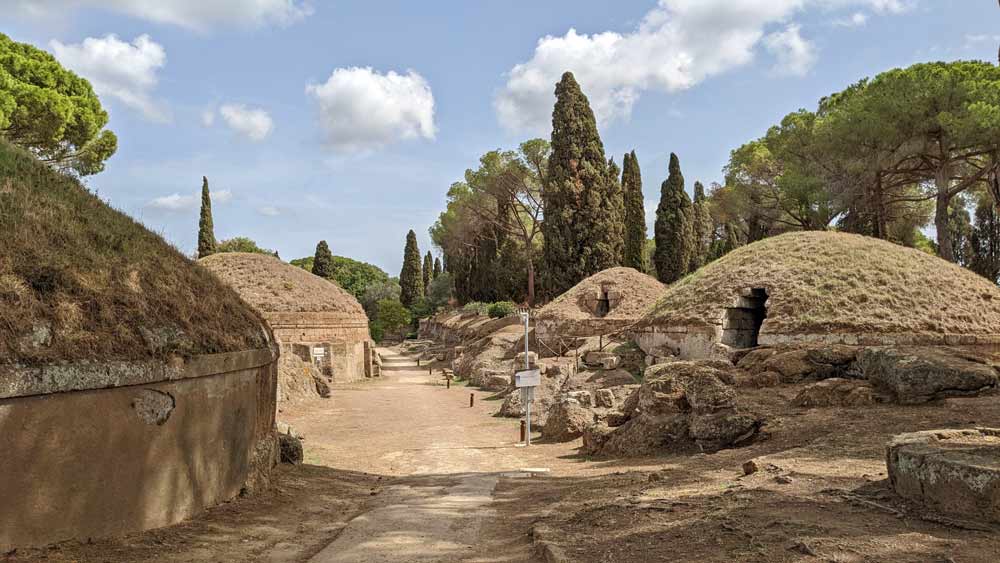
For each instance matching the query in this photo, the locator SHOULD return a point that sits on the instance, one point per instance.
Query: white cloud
(857, 19)
(208, 117)
(174, 202)
(794, 55)
(193, 14)
(253, 123)
(125, 71)
(268, 211)
(177, 202)
(677, 45)
(361, 109)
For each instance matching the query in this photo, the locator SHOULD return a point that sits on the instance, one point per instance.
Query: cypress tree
(583, 206)
(206, 231)
(673, 232)
(437, 267)
(634, 255)
(323, 261)
(984, 241)
(702, 228)
(411, 278)
(428, 272)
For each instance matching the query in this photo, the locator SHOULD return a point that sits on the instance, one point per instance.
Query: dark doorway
(603, 304)
(741, 325)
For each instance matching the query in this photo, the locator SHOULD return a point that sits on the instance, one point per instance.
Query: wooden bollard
(447, 383)
(522, 430)
(472, 399)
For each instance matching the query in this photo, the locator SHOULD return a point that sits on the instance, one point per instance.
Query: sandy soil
(402, 469)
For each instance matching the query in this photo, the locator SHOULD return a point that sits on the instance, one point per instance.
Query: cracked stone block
(153, 407)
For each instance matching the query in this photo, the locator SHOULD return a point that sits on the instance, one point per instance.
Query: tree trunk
(942, 182)
(531, 282)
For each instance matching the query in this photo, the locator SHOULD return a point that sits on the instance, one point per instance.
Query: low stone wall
(99, 450)
(688, 343)
(344, 337)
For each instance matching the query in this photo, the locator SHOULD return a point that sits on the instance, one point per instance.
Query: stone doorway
(742, 322)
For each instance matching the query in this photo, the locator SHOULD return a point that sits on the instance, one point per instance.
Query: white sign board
(528, 378)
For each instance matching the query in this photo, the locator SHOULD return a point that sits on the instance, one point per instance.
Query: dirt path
(450, 457)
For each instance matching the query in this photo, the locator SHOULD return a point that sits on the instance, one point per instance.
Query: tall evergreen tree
(634, 255)
(323, 261)
(206, 230)
(428, 272)
(411, 278)
(437, 267)
(583, 207)
(984, 242)
(701, 227)
(673, 232)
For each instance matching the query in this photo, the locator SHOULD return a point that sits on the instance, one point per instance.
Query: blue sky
(274, 102)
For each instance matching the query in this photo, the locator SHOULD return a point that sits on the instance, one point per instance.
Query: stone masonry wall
(344, 337)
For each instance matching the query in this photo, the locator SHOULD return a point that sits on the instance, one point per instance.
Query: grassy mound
(82, 281)
(272, 286)
(638, 292)
(836, 282)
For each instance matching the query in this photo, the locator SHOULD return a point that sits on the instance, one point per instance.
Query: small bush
(475, 307)
(501, 309)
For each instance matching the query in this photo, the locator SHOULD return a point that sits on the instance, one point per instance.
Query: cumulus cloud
(677, 45)
(794, 55)
(361, 109)
(124, 71)
(253, 123)
(177, 202)
(193, 14)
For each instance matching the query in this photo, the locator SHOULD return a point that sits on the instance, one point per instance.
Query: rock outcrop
(836, 392)
(913, 375)
(801, 363)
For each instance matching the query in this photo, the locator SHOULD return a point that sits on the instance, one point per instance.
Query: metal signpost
(527, 379)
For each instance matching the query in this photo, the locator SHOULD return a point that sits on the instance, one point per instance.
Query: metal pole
(527, 393)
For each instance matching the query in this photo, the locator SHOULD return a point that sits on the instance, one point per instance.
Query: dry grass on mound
(272, 286)
(838, 282)
(638, 292)
(82, 281)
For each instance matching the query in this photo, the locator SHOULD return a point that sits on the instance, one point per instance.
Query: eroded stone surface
(835, 392)
(912, 375)
(153, 407)
(952, 471)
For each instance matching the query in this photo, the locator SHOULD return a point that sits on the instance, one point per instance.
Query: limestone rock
(566, 421)
(494, 381)
(611, 362)
(760, 380)
(322, 387)
(519, 360)
(912, 375)
(798, 363)
(604, 398)
(583, 397)
(594, 438)
(952, 471)
(723, 429)
(836, 392)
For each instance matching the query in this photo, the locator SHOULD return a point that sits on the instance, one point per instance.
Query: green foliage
(584, 210)
(501, 309)
(352, 275)
(206, 231)
(376, 331)
(322, 265)
(437, 267)
(634, 255)
(702, 228)
(475, 307)
(51, 111)
(441, 291)
(428, 272)
(674, 229)
(411, 277)
(243, 244)
(392, 316)
(376, 292)
(984, 241)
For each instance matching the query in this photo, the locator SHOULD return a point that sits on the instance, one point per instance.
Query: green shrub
(501, 309)
(376, 330)
(475, 307)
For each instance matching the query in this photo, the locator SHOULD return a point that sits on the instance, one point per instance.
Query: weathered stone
(807, 361)
(519, 360)
(835, 392)
(615, 418)
(911, 375)
(953, 471)
(724, 429)
(495, 381)
(322, 387)
(566, 421)
(750, 467)
(594, 438)
(604, 398)
(759, 380)
(583, 397)
(611, 363)
(291, 449)
(152, 406)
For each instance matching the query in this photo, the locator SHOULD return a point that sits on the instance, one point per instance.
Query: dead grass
(638, 292)
(272, 286)
(82, 281)
(837, 282)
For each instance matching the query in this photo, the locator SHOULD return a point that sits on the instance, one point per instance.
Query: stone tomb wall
(345, 339)
(99, 450)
